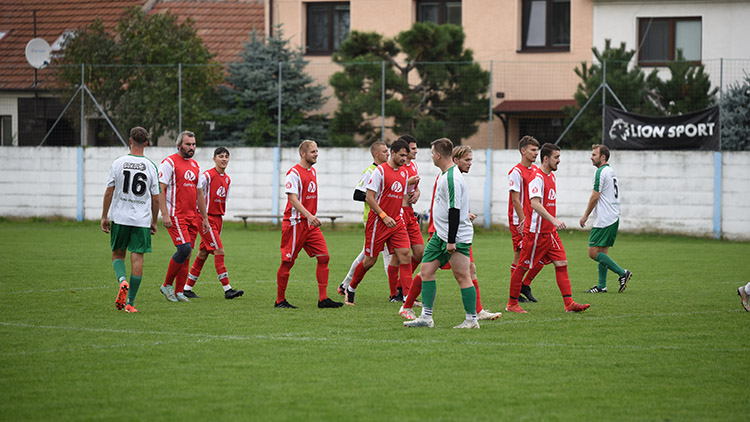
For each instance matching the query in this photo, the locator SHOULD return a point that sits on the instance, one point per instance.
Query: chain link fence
(485, 104)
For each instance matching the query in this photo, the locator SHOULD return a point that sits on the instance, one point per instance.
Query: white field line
(113, 286)
(345, 335)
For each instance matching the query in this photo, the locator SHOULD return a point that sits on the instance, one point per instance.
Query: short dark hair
(526, 141)
(546, 150)
(603, 150)
(139, 135)
(408, 138)
(221, 150)
(398, 145)
(443, 146)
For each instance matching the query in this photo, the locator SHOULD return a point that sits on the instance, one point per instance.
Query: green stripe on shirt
(451, 188)
(597, 177)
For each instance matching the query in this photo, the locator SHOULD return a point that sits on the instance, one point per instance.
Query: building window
(327, 26)
(545, 25)
(660, 38)
(439, 11)
(6, 130)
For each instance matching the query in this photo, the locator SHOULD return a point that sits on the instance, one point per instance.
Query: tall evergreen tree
(687, 90)
(735, 117)
(248, 113)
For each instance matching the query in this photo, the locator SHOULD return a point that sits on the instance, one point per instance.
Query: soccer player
(543, 242)
(454, 233)
(744, 292)
(463, 157)
(385, 194)
(410, 220)
(379, 152)
(215, 186)
(133, 194)
(178, 177)
(300, 228)
(519, 207)
(605, 199)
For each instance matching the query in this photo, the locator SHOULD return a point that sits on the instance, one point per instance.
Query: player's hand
(450, 248)
(105, 225)
(389, 222)
(413, 180)
(412, 199)
(472, 217)
(166, 222)
(206, 226)
(559, 225)
(520, 224)
(583, 221)
(154, 227)
(314, 221)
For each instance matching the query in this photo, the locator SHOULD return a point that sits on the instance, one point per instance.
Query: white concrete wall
(661, 191)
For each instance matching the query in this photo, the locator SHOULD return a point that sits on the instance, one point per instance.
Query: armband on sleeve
(454, 215)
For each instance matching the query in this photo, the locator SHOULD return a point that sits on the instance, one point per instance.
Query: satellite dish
(38, 53)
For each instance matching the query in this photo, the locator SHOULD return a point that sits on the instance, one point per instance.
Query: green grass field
(674, 346)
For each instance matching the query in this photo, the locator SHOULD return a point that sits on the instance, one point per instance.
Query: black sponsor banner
(697, 130)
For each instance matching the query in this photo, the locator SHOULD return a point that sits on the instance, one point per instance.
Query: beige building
(532, 47)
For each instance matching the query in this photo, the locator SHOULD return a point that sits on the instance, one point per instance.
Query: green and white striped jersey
(608, 207)
(451, 192)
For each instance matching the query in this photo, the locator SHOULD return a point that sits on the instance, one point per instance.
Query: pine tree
(735, 117)
(688, 89)
(248, 113)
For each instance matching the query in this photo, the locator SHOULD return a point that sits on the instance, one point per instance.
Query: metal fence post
(277, 156)
(179, 97)
(382, 100)
(79, 158)
(604, 94)
(488, 165)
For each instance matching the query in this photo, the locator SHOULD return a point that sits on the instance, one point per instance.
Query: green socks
(602, 275)
(120, 273)
(469, 298)
(429, 291)
(135, 283)
(603, 258)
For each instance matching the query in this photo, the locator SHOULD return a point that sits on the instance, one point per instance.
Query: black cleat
(522, 299)
(191, 294)
(596, 289)
(231, 293)
(397, 298)
(328, 303)
(284, 304)
(349, 297)
(624, 280)
(526, 291)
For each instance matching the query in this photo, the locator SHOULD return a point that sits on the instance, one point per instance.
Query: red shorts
(412, 227)
(301, 236)
(447, 265)
(541, 248)
(377, 235)
(515, 236)
(184, 230)
(211, 240)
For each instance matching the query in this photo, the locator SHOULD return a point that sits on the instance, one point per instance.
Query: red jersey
(411, 170)
(543, 186)
(389, 185)
(181, 177)
(431, 227)
(518, 181)
(216, 188)
(303, 183)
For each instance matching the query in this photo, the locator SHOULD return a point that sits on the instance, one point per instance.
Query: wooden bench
(244, 217)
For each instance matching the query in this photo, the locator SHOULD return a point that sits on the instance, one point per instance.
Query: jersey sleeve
(112, 174)
(203, 182)
(375, 181)
(515, 181)
(363, 181)
(536, 187)
(165, 172)
(293, 183)
(598, 179)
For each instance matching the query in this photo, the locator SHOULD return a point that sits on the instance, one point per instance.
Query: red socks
(282, 279)
(479, 299)
(516, 280)
(393, 278)
(195, 271)
(404, 271)
(563, 283)
(414, 291)
(321, 274)
(359, 274)
(182, 273)
(414, 263)
(221, 269)
(532, 273)
(172, 270)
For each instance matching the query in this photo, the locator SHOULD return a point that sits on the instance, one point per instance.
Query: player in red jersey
(410, 221)
(385, 195)
(519, 208)
(215, 186)
(178, 177)
(463, 157)
(301, 228)
(542, 242)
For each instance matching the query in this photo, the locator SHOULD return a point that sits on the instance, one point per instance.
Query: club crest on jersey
(552, 195)
(189, 175)
(288, 185)
(311, 187)
(396, 187)
(512, 183)
(535, 190)
(221, 192)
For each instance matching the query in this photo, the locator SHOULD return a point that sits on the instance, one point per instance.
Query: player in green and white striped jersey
(605, 198)
(454, 233)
